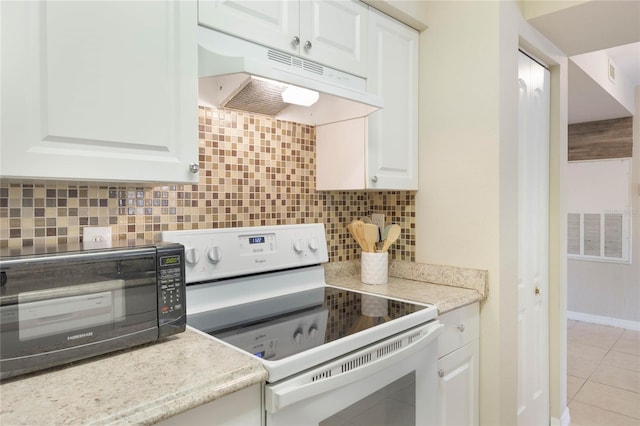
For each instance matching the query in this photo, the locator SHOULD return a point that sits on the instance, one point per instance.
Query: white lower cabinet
(242, 408)
(458, 363)
(99, 90)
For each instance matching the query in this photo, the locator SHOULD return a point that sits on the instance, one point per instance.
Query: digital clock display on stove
(256, 240)
(252, 244)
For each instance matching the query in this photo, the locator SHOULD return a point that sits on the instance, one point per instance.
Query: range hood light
(300, 96)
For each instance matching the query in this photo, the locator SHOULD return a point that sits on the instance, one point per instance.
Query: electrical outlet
(378, 219)
(96, 234)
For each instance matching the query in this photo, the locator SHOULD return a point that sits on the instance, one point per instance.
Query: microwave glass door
(48, 304)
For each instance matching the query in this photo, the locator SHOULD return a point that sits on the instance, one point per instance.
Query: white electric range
(261, 290)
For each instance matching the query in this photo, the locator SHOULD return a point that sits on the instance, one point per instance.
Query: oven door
(393, 381)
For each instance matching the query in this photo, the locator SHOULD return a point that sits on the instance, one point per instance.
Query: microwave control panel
(171, 284)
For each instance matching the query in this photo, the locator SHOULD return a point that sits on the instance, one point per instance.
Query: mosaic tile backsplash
(254, 170)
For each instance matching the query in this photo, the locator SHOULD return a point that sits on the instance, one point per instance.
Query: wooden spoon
(371, 236)
(392, 236)
(353, 233)
(358, 228)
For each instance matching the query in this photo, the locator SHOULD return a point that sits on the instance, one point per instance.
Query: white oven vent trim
(292, 61)
(359, 361)
(350, 368)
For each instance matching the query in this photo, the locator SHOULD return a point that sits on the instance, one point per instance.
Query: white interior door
(533, 229)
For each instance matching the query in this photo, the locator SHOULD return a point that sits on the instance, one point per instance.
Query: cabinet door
(458, 386)
(269, 23)
(334, 33)
(461, 326)
(393, 131)
(102, 91)
(241, 408)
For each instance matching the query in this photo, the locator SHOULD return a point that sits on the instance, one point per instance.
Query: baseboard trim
(565, 420)
(597, 319)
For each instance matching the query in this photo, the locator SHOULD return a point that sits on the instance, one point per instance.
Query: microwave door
(51, 312)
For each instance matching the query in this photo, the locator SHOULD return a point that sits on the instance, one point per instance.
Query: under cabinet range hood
(241, 75)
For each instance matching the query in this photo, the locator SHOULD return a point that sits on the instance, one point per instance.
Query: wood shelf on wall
(597, 140)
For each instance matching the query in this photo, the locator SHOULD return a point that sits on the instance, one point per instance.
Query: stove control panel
(212, 254)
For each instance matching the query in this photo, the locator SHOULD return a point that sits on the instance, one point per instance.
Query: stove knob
(297, 245)
(297, 336)
(313, 332)
(313, 244)
(191, 256)
(214, 254)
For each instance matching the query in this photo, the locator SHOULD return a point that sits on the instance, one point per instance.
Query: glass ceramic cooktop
(278, 327)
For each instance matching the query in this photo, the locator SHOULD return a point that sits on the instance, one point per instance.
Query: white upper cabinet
(101, 91)
(332, 33)
(392, 149)
(385, 144)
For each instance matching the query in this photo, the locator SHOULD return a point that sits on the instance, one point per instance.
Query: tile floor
(603, 381)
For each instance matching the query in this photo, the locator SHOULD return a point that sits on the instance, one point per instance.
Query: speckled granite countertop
(444, 286)
(142, 385)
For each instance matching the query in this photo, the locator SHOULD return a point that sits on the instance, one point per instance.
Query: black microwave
(80, 302)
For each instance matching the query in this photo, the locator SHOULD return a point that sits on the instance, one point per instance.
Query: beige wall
(458, 204)
(535, 8)
(466, 208)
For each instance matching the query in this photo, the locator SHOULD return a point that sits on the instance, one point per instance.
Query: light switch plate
(96, 234)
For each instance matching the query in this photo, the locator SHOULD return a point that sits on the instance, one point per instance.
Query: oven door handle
(330, 377)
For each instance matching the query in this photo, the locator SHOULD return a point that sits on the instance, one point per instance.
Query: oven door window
(394, 404)
(48, 306)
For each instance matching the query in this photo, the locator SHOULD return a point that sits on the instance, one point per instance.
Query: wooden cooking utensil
(353, 233)
(392, 236)
(371, 236)
(386, 232)
(358, 228)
